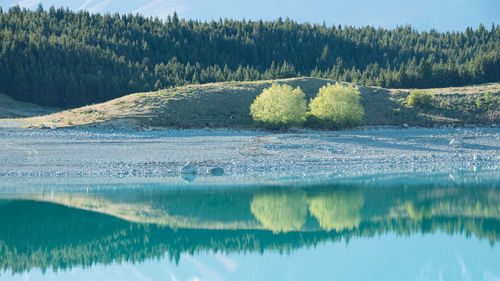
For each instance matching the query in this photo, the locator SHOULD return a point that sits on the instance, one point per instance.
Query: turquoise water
(391, 228)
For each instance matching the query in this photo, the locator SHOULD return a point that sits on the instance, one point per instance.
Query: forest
(61, 58)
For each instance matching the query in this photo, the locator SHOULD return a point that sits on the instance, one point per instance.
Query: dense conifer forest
(63, 58)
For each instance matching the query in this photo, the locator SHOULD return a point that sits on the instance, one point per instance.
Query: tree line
(62, 58)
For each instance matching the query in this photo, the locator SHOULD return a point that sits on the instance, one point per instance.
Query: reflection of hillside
(176, 210)
(455, 203)
(134, 228)
(284, 210)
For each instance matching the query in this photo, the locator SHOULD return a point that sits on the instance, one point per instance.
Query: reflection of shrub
(336, 106)
(338, 210)
(420, 99)
(280, 212)
(280, 105)
(414, 212)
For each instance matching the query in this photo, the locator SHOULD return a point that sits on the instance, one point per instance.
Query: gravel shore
(301, 153)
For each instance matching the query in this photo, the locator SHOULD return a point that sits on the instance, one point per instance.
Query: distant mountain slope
(227, 104)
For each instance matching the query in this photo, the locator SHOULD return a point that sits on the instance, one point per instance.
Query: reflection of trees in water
(44, 235)
(280, 212)
(4, 202)
(337, 210)
(47, 235)
(287, 211)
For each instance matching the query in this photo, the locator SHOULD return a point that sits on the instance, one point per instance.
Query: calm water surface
(447, 230)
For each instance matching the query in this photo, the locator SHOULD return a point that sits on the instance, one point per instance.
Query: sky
(418, 257)
(442, 15)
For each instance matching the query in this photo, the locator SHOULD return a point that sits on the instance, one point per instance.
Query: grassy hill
(226, 104)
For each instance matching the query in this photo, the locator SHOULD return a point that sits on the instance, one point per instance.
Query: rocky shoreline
(247, 153)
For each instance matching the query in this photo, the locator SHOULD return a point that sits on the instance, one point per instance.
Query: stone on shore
(189, 169)
(217, 171)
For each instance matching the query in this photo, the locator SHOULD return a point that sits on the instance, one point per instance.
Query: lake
(370, 204)
(372, 229)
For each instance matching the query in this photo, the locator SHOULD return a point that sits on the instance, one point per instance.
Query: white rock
(189, 168)
(405, 125)
(53, 127)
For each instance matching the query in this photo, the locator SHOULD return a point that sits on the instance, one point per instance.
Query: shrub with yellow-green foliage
(420, 99)
(280, 105)
(337, 106)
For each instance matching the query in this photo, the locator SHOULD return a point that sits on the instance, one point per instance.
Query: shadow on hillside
(228, 104)
(225, 104)
(382, 108)
(10, 108)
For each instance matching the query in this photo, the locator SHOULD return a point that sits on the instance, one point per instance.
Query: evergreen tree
(44, 54)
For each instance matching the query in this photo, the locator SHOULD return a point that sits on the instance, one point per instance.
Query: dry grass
(227, 104)
(478, 104)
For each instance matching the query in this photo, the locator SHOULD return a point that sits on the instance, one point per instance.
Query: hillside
(10, 108)
(67, 59)
(226, 104)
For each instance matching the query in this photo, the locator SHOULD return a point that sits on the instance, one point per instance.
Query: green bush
(419, 99)
(280, 105)
(336, 106)
(485, 102)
